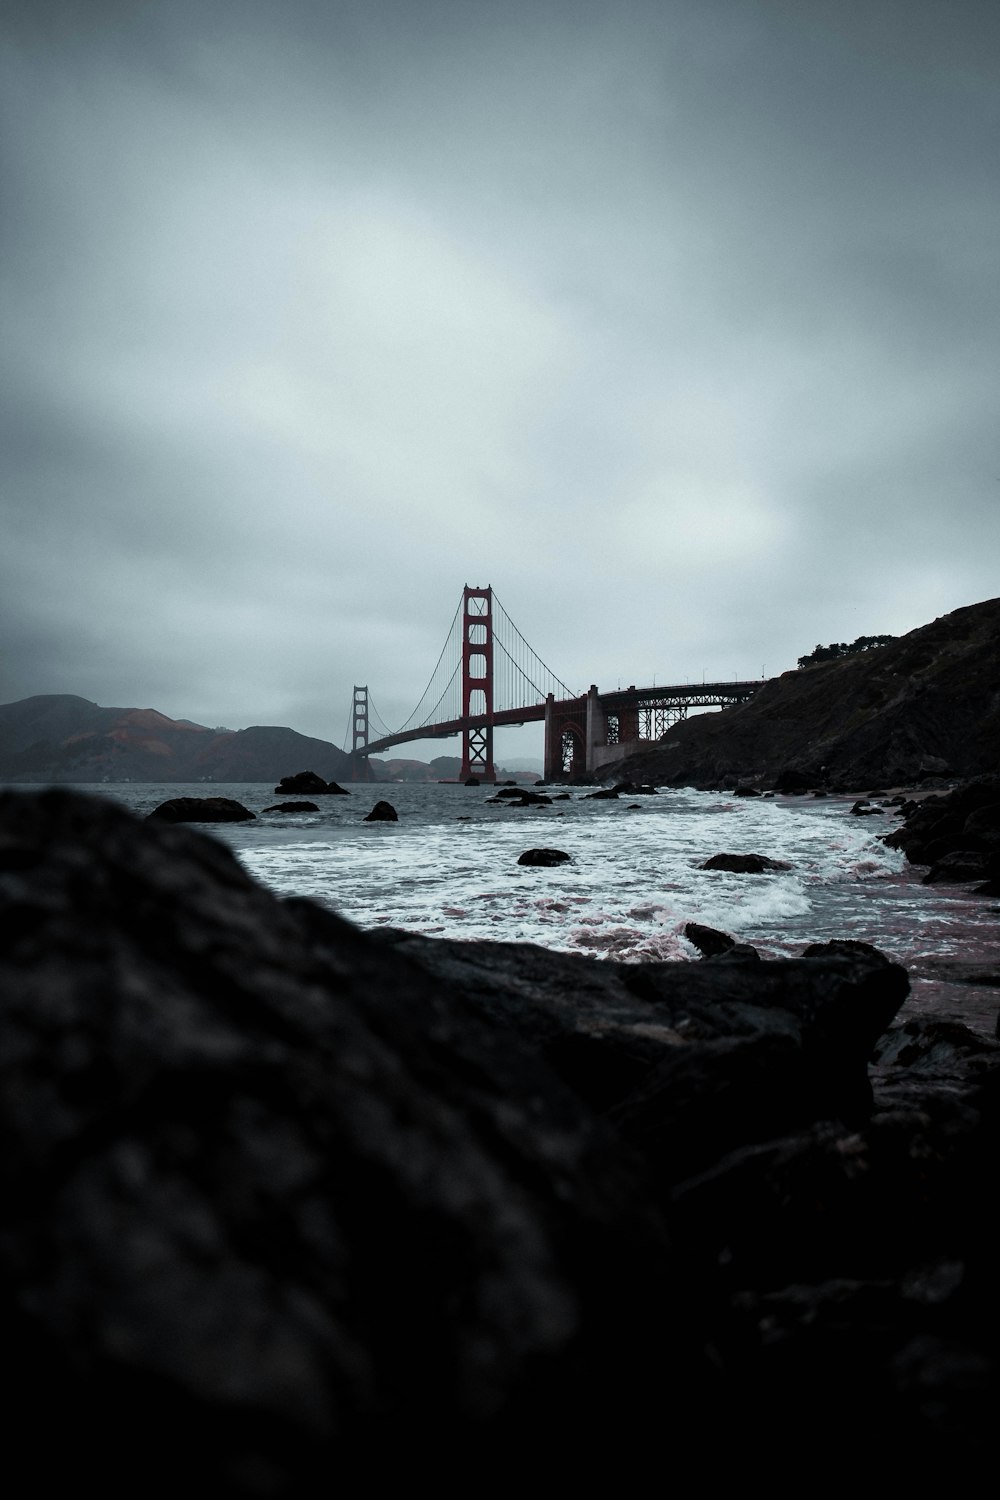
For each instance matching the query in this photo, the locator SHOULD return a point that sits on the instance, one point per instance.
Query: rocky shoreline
(289, 1205)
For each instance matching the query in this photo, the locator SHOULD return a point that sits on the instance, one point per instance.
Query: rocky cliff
(926, 704)
(59, 737)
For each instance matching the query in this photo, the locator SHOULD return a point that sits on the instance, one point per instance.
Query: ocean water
(449, 867)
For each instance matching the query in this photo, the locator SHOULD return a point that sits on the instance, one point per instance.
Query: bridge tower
(360, 769)
(477, 684)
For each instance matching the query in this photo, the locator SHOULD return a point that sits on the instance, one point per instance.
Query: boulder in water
(201, 810)
(309, 782)
(744, 864)
(543, 857)
(708, 940)
(382, 812)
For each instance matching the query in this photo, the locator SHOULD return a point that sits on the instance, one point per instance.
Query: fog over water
(675, 322)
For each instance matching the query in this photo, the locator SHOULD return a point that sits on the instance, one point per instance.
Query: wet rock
(293, 807)
(382, 812)
(521, 797)
(744, 864)
(745, 791)
(201, 810)
(606, 793)
(708, 940)
(308, 782)
(543, 857)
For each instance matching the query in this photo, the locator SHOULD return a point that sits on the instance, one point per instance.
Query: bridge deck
(676, 695)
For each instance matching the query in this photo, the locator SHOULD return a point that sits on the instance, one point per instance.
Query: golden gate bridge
(487, 676)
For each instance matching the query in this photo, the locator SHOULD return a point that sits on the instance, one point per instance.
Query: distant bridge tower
(477, 684)
(360, 769)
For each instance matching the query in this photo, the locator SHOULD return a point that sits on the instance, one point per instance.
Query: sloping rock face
(928, 703)
(59, 738)
(287, 1205)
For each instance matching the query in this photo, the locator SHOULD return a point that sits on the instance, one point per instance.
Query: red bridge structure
(487, 676)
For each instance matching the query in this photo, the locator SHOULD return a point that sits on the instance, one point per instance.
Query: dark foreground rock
(201, 810)
(288, 1207)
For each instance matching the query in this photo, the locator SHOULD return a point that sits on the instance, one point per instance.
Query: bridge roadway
(594, 729)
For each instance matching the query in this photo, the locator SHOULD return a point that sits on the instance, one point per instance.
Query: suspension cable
(518, 667)
(519, 673)
(430, 717)
(374, 713)
(532, 653)
(423, 695)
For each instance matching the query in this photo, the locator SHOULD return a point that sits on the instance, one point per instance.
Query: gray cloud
(677, 323)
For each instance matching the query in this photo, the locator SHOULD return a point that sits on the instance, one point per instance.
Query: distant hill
(927, 703)
(441, 768)
(59, 737)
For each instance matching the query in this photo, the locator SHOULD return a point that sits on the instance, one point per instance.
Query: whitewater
(449, 868)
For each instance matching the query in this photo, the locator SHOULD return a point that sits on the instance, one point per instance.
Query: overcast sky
(677, 323)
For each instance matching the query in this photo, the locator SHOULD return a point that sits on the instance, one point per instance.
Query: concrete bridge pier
(576, 736)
